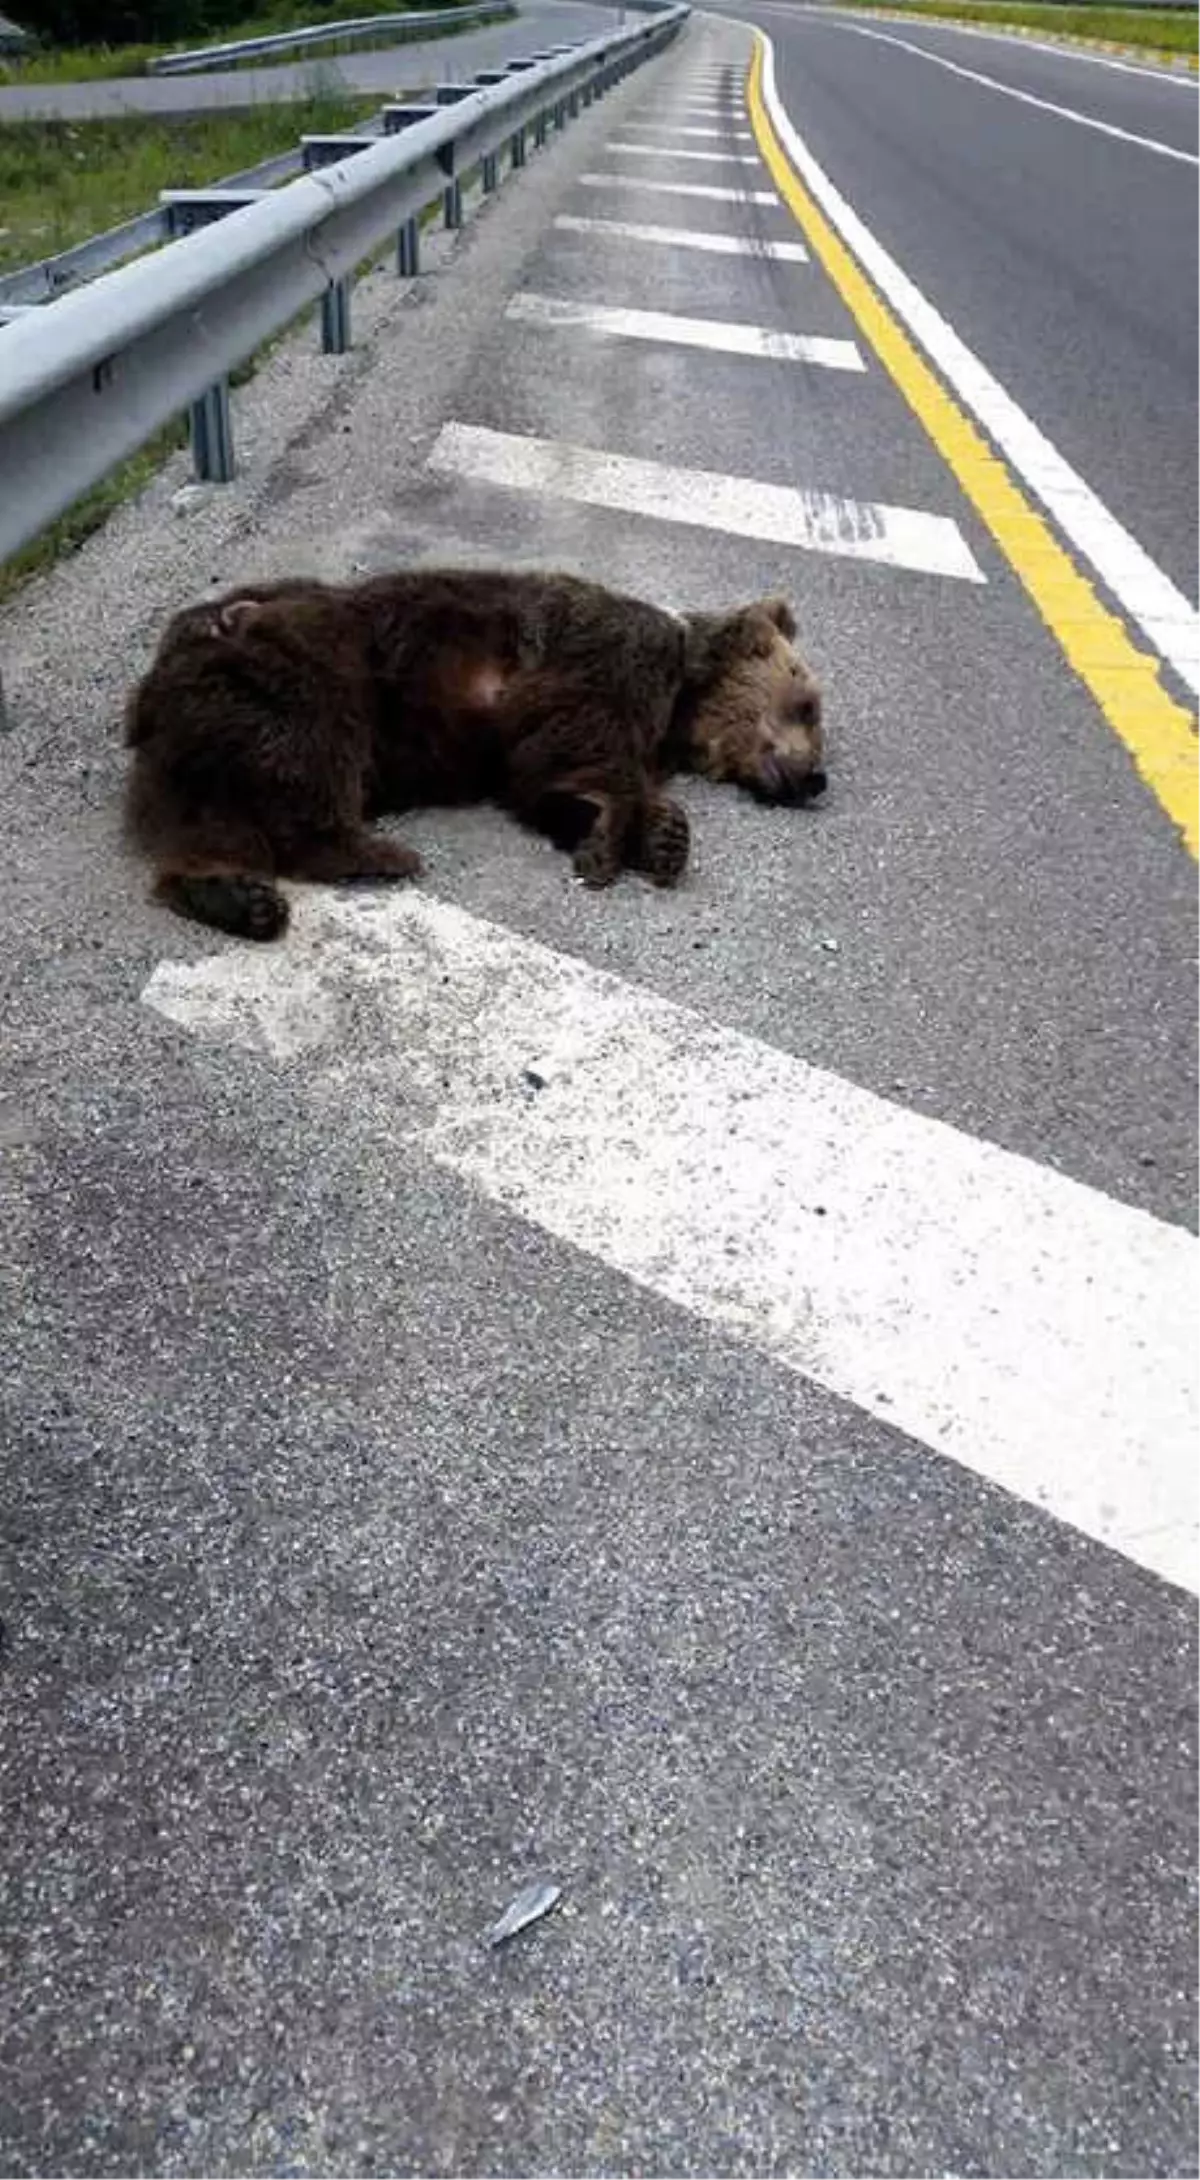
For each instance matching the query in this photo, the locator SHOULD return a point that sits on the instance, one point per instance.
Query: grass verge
(89, 63)
(1169, 33)
(61, 181)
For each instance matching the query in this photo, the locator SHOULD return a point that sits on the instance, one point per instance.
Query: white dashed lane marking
(671, 330)
(1032, 1330)
(666, 128)
(724, 110)
(711, 190)
(685, 238)
(821, 522)
(671, 151)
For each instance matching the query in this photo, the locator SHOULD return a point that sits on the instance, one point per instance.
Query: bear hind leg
(354, 857)
(237, 901)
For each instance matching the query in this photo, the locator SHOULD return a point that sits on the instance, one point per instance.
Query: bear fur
(276, 721)
(755, 716)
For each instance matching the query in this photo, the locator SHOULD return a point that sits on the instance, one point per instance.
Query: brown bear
(276, 721)
(754, 716)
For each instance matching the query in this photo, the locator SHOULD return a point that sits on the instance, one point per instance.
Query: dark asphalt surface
(386, 70)
(1066, 258)
(366, 1552)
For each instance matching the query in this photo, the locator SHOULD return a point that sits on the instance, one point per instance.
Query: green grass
(1168, 31)
(61, 181)
(88, 63)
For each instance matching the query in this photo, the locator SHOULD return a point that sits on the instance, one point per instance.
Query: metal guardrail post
(190, 209)
(212, 435)
(335, 319)
(408, 249)
(451, 94)
(491, 164)
(452, 194)
(325, 151)
(517, 141)
(404, 115)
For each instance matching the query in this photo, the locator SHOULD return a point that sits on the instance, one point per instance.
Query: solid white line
(688, 238)
(1167, 76)
(1026, 98)
(820, 522)
(724, 337)
(710, 190)
(671, 151)
(1147, 595)
(1033, 1331)
(665, 128)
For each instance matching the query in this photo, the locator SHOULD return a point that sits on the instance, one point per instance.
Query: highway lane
(384, 69)
(679, 1394)
(1064, 257)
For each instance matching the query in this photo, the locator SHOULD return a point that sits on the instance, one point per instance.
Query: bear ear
(779, 609)
(236, 614)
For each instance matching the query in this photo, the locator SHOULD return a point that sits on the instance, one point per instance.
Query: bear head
(750, 707)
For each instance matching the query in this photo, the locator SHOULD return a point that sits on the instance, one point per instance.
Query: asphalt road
(1064, 254)
(417, 61)
(678, 1395)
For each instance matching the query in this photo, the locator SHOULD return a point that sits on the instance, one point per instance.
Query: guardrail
(297, 41)
(89, 378)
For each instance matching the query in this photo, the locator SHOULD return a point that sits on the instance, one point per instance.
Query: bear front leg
(660, 841)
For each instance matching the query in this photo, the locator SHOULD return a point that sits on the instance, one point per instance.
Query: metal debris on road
(528, 1907)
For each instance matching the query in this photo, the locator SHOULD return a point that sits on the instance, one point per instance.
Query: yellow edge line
(1159, 734)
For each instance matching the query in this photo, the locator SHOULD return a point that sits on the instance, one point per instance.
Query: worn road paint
(1030, 1329)
(668, 128)
(711, 190)
(723, 109)
(686, 238)
(672, 151)
(1158, 732)
(726, 338)
(821, 522)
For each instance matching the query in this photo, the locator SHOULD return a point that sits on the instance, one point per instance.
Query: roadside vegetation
(115, 170)
(1168, 32)
(61, 181)
(86, 63)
